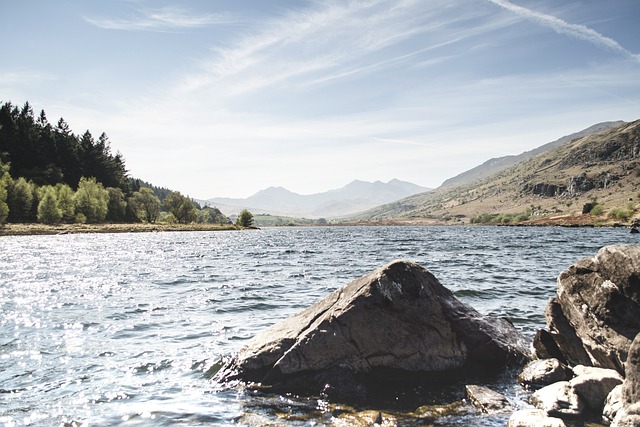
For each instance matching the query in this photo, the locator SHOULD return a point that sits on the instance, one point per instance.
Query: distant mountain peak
(354, 197)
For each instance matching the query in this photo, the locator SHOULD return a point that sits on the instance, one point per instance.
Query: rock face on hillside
(596, 313)
(395, 322)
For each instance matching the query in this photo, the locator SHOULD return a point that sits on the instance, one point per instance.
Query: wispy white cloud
(334, 41)
(561, 26)
(160, 20)
(24, 77)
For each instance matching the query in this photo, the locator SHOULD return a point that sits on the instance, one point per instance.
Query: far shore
(43, 229)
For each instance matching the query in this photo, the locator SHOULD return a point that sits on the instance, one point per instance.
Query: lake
(127, 329)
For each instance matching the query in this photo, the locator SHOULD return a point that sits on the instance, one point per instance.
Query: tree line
(50, 175)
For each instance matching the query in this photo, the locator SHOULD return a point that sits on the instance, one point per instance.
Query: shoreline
(35, 229)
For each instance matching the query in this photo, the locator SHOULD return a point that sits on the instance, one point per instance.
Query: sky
(220, 98)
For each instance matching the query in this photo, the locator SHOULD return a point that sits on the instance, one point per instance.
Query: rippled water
(126, 329)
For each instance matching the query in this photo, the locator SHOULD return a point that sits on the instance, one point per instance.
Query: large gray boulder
(596, 312)
(629, 414)
(395, 322)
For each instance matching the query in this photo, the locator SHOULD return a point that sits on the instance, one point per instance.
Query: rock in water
(542, 372)
(596, 313)
(397, 319)
(487, 400)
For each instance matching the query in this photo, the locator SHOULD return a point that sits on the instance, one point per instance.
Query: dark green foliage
(500, 218)
(91, 201)
(117, 205)
(48, 210)
(20, 201)
(135, 184)
(49, 155)
(146, 205)
(51, 164)
(245, 219)
(587, 207)
(484, 218)
(181, 207)
(4, 181)
(66, 202)
(597, 210)
(209, 215)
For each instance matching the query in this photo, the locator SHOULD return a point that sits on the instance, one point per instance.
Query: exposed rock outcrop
(596, 313)
(594, 320)
(629, 414)
(395, 322)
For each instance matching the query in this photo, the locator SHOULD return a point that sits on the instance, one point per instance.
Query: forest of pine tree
(49, 154)
(48, 174)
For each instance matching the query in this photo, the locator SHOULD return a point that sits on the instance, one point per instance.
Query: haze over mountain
(602, 167)
(354, 197)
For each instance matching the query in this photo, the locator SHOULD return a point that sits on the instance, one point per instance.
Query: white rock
(533, 418)
(594, 384)
(559, 400)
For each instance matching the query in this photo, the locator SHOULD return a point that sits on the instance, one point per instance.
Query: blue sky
(224, 98)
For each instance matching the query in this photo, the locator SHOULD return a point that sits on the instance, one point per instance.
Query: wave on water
(129, 328)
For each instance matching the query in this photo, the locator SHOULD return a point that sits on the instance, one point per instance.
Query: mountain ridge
(497, 164)
(601, 168)
(356, 196)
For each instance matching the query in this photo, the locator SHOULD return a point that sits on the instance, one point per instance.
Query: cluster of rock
(399, 323)
(593, 325)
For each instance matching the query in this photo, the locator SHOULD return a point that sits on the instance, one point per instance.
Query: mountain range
(354, 197)
(600, 165)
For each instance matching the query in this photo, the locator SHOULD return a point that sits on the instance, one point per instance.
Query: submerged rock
(433, 412)
(365, 419)
(393, 324)
(596, 313)
(487, 400)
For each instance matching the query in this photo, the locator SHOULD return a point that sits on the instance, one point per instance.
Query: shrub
(48, 210)
(596, 210)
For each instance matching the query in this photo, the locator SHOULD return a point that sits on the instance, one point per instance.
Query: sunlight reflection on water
(113, 329)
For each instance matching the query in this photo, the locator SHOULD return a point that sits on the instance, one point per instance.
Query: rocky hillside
(601, 169)
(498, 164)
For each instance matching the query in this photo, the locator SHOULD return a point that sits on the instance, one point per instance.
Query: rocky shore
(398, 325)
